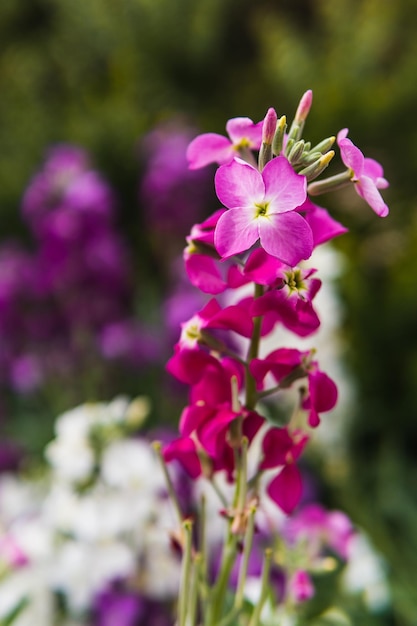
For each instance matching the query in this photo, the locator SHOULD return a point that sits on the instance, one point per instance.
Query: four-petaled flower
(262, 206)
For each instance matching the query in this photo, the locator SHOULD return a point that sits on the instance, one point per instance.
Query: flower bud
(269, 126)
(315, 169)
(278, 140)
(325, 145)
(304, 107)
(296, 152)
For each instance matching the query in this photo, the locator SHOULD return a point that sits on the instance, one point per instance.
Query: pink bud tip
(304, 106)
(269, 126)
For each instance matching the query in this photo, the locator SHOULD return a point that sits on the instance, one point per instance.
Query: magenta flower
(322, 391)
(214, 148)
(323, 226)
(367, 174)
(262, 207)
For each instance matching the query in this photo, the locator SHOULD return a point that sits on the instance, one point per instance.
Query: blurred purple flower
(172, 195)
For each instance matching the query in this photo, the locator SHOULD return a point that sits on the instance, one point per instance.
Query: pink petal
(239, 185)
(184, 451)
(275, 446)
(192, 417)
(286, 488)
(209, 148)
(240, 128)
(204, 274)
(234, 318)
(263, 268)
(367, 189)
(236, 231)
(284, 189)
(286, 236)
(351, 156)
(374, 170)
(189, 365)
(323, 391)
(322, 225)
(212, 434)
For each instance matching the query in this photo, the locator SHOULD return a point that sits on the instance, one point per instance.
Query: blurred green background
(104, 72)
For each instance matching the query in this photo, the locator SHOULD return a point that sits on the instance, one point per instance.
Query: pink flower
(301, 587)
(367, 174)
(322, 391)
(262, 206)
(214, 148)
(189, 361)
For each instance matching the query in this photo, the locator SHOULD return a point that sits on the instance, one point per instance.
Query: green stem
(216, 601)
(250, 528)
(193, 598)
(185, 573)
(157, 446)
(256, 615)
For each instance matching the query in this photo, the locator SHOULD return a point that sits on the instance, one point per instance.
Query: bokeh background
(130, 82)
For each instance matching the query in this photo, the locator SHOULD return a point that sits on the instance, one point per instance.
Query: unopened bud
(324, 145)
(315, 169)
(265, 155)
(304, 107)
(269, 126)
(296, 152)
(278, 139)
(311, 157)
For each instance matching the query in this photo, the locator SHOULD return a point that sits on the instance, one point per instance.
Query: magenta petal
(189, 365)
(204, 274)
(209, 148)
(322, 225)
(286, 488)
(263, 268)
(286, 236)
(236, 232)
(367, 189)
(351, 156)
(323, 391)
(238, 184)
(275, 446)
(284, 189)
(212, 434)
(184, 451)
(192, 417)
(234, 318)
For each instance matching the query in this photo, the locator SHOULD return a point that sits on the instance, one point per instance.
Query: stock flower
(214, 148)
(322, 391)
(189, 361)
(367, 174)
(262, 207)
(323, 226)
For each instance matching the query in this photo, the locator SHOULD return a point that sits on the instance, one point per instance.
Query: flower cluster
(91, 536)
(267, 227)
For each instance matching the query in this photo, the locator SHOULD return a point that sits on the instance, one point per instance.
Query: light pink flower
(262, 207)
(213, 148)
(368, 175)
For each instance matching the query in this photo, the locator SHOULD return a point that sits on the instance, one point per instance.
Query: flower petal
(367, 190)
(209, 148)
(236, 231)
(239, 185)
(286, 236)
(284, 189)
(239, 128)
(286, 488)
(351, 156)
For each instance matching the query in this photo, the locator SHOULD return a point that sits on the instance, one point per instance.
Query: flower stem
(256, 615)
(245, 558)
(171, 489)
(185, 573)
(251, 396)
